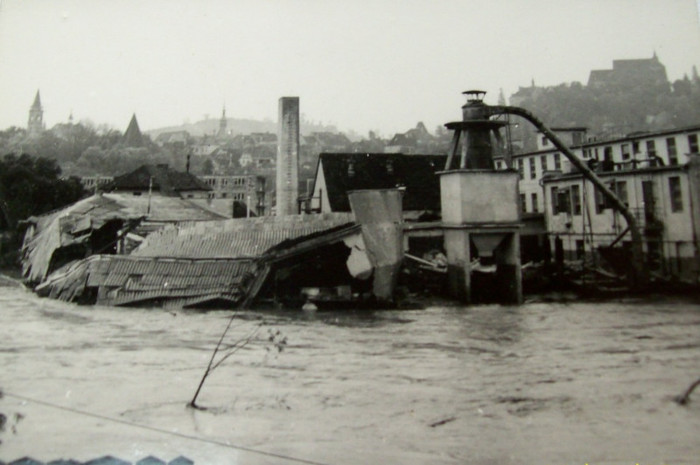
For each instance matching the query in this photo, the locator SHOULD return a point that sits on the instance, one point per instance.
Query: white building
(655, 174)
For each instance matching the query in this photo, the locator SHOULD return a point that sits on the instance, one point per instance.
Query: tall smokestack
(288, 156)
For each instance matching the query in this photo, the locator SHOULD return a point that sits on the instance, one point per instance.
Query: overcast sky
(359, 64)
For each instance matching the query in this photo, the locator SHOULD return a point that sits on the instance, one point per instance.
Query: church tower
(223, 123)
(35, 125)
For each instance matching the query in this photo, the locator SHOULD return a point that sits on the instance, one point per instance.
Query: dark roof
(37, 102)
(133, 136)
(383, 171)
(165, 180)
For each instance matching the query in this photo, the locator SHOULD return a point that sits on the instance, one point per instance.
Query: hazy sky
(359, 64)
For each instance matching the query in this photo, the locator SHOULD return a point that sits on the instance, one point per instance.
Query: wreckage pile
(122, 250)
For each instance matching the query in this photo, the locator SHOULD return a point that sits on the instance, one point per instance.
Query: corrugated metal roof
(56, 230)
(236, 238)
(126, 280)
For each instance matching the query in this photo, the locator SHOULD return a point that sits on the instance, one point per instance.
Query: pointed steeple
(37, 101)
(133, 136)
(35, 125)
(223, 123)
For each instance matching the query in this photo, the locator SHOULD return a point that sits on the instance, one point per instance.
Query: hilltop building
(35, 125)
(644, 72)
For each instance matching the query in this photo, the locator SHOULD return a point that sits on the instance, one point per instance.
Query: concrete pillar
(458, 253)
(288, 156)
(508, 270)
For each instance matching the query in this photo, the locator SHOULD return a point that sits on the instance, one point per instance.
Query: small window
(545, 141)
(563, 201)
(535, 206)
(543, 162)
(521, 169)
(672, 151)
(523, 203)
(601, 203)
(693, 143)
(557, 162)
(554, 197)
(576, 200)
(626, 155)
(533, 168)
(674, 189)
(651, 148)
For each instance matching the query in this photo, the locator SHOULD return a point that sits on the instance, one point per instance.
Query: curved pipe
(638, 277)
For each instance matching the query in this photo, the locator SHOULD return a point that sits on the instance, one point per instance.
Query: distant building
(94, 183)
(35, 125)
(637, 72)
(412, 141)
(228, 191)
(132, 135)
(159, 180)
(173, 138)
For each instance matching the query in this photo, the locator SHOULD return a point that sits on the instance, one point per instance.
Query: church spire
(133, 136)
(35, 125)
(223, 123)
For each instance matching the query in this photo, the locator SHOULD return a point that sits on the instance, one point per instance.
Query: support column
(458, 264)
(508, 269)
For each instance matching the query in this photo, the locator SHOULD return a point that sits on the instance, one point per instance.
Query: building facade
(653, 173)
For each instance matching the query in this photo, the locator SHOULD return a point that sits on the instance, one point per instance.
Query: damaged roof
(73, 224)
(167, 181)
(127, 280)
(236, 238)
(345, 172)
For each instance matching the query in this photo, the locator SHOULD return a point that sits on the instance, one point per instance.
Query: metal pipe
(638, 272)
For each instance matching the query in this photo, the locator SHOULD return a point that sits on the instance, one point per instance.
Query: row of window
(605, 154)
(568, 200)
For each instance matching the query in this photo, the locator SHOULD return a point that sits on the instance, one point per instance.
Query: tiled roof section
(236, 238)
(165, 180)
(383, 171)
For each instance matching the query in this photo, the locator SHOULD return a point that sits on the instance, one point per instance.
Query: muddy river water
(543, 383)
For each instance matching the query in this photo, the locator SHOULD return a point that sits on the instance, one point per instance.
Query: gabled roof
(383, 171)
(165, 180)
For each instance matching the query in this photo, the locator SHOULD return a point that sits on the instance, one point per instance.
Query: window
(651, 148)
(674, 190)
(693, 143)
(601, 202)
(576, 200)
(563, 201)
(543, 162)
(545, 141)
(533, 168)
(554, 198)
(523, 203)
(533, 198)
(586, 153)
(557, 162)
(626, 152)
(672, 152)
(519, 162)
(635, 146)
(621, 191)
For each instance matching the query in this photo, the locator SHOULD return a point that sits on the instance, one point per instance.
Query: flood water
(543, 383)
